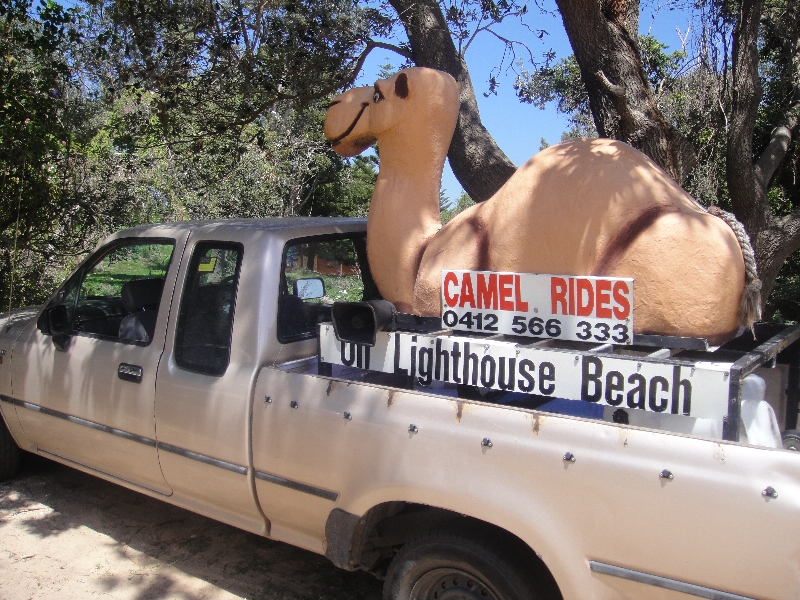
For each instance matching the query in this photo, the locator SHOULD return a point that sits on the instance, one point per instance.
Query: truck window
(205, 319)
(120, 292)
(333, 262)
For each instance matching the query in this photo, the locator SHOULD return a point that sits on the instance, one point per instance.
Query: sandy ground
(68, 535)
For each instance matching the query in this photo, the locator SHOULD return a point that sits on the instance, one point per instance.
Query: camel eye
(376, 97)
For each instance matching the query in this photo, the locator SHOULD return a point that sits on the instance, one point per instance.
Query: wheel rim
(452, 584)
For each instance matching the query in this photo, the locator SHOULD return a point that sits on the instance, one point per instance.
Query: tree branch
(612, 88)
(749, 201)
(779, 143)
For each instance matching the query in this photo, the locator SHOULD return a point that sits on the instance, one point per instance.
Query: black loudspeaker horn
(360, 322)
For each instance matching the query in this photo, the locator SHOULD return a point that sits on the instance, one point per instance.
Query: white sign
(698, 390)
(587, 309)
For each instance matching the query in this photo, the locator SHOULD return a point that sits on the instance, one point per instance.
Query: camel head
(419, 105)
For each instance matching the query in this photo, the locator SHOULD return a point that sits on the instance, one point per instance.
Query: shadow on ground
(148, 547)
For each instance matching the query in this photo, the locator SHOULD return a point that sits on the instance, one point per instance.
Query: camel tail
(750, 307)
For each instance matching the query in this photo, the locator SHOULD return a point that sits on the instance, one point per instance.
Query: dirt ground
(68, 535)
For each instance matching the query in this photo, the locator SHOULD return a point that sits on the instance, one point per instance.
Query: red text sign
(592, 309)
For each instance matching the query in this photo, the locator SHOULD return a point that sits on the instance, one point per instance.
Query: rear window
(208, 303)
(316, 273)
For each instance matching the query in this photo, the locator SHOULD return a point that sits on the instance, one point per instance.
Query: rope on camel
(750, 307)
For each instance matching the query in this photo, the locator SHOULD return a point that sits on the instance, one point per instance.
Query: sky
(516, 127)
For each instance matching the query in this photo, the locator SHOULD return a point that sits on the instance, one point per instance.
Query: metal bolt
(486, 443)
(769, 492)
(413, 428)
(348, 416)
(267, 399)
(666, 474)
(569, 457)
(293, 404)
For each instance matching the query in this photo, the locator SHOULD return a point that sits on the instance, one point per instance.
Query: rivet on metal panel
(638, 366)
(666, 474)
(487, 443)
(577, 358)
(770, 492)
(486, 347)
(348, 416)
(267, 399)
(692, 372)
(293, 404)
(725, 375)
(570, 457)
(413, 428)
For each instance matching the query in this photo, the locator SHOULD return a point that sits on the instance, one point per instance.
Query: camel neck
(403, 216)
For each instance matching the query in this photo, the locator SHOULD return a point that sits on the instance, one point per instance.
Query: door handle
(128, 372)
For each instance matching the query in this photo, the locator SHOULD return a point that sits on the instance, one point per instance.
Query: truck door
(204, 383)
(298, 439)
(88, 396)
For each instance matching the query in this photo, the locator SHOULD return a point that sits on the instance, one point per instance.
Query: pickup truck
(195, 362)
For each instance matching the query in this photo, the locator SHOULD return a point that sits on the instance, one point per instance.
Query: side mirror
(57, 320)
(310, 288)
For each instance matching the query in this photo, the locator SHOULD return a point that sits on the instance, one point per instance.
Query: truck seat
(141, 298)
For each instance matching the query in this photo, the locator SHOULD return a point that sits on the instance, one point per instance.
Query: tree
(561, 81)
(763, 154)
(737, 103)
(211, 68)
(118, 113)
(39, 128)
(477, 161)
(462, 203)
(604, 38)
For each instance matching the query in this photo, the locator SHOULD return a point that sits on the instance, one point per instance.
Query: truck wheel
(791, 439)
(9, 453)
(449, 565)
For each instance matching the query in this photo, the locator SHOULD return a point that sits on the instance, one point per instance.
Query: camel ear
(401, 86)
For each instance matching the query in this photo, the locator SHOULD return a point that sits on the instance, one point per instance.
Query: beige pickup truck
(195, 362)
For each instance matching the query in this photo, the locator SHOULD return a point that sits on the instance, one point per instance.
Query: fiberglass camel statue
(583, 207)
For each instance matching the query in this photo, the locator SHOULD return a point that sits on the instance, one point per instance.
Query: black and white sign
(627, 382)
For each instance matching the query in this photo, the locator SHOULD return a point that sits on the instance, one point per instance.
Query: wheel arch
(368, 542)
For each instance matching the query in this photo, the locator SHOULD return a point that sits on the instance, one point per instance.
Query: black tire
(791, 439)
(9, 453)
(449, 564)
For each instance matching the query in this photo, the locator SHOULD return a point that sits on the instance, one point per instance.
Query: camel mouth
(335, 141)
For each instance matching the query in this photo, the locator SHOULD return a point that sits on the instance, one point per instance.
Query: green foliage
(560, 81)
(210, 69)
(117, 113)
(462, 203)
(346, 187)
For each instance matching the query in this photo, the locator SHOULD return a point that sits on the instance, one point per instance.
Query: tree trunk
(604, 38)
(477, 162)
(773, 237)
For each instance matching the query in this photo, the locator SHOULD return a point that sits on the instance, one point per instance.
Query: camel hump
(600, 207)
